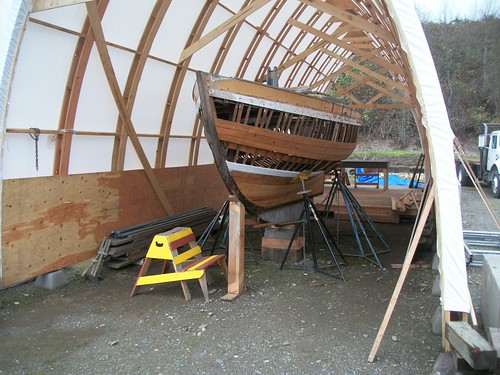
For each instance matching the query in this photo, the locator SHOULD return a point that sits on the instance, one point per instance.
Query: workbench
(380, 165)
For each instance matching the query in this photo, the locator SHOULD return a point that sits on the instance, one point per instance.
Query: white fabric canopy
(450, 247)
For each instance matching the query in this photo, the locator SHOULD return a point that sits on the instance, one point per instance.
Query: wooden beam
(380, 106)
(350, 18)
(473, 347)
(368, 71)
(330, 77)
(95, 23)
(387, 92)
(348, 46)
(222, 28)
(236, 252)
(417, 232)
(135, 74)
(315, 47)
(39, 5)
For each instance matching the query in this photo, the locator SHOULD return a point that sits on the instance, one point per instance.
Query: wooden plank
(288, 144)
(373, 74)
(271, 191)
(420, 224)
(348, 46)
(478, 352)
(222, 28)
(93, 15)
(351, 19)
(286, 97)
(39, 5)
(236, 252)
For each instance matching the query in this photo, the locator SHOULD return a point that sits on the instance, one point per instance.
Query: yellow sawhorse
(188, 265)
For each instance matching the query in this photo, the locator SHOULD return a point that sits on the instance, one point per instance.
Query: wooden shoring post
(425, 208)
(96, 27)
(236, 250)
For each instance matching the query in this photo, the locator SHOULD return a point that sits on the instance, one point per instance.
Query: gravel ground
(293, 321)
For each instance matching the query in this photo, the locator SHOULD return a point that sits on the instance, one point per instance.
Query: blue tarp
(394, 180)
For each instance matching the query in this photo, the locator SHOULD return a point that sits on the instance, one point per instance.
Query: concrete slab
(490, 292)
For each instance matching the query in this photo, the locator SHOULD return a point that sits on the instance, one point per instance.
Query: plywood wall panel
(52, 222)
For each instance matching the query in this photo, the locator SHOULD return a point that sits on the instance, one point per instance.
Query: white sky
(439, 10)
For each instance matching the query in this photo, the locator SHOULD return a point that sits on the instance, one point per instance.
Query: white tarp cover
(450, 247)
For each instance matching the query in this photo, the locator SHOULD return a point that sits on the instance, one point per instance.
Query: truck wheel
(463, 177)
(495, 184)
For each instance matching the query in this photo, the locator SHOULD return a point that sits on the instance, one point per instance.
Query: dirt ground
(291, 321)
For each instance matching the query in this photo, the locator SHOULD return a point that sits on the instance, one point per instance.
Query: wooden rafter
(368, 71)
(341, 43)
(72, 95)
(95, 23)
(278, 43)
(381, 106)
(260, 33)
(350, 18)
(222, 28)
(359, 82)
(330, 77)
(134, 78)
(176, 85)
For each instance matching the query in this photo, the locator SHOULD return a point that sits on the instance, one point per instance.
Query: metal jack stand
(221, 215)
(357, 216)
(310, 213)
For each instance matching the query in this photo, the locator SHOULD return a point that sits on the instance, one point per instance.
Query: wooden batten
(52, 222)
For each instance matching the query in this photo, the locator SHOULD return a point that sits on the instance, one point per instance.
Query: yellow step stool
(188, 265)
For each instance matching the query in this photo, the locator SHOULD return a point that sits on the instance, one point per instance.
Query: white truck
(487, 168)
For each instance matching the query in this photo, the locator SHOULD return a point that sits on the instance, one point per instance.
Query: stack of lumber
(128, 245)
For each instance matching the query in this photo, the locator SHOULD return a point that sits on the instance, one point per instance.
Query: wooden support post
(422, 218)
(236, 252)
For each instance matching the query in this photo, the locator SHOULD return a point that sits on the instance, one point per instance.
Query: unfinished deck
(377, 203)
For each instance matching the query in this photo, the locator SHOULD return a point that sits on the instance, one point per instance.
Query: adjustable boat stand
(222, 215)
(357, 216)
(310, 213)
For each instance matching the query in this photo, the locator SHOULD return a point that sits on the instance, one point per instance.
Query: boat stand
(222, 215)
(308, 215)
(357, 216)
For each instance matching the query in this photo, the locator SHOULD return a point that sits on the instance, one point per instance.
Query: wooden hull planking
(294, 133)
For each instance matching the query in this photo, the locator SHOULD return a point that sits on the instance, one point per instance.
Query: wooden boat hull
(262, 138)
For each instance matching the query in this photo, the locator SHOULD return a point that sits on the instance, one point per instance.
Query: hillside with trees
(466, 54)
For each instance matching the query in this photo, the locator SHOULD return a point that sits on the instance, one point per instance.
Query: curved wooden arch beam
(258, 36)
(95, 24)
(351, 19)
(176, 85)
(313, 65)
(330, 77)
(194, 149)
(72, 95)
(389, 65)
(135, 73)
(278, 43)
(320, 75)
(222, 28)
(294, 47)
(373, 74)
